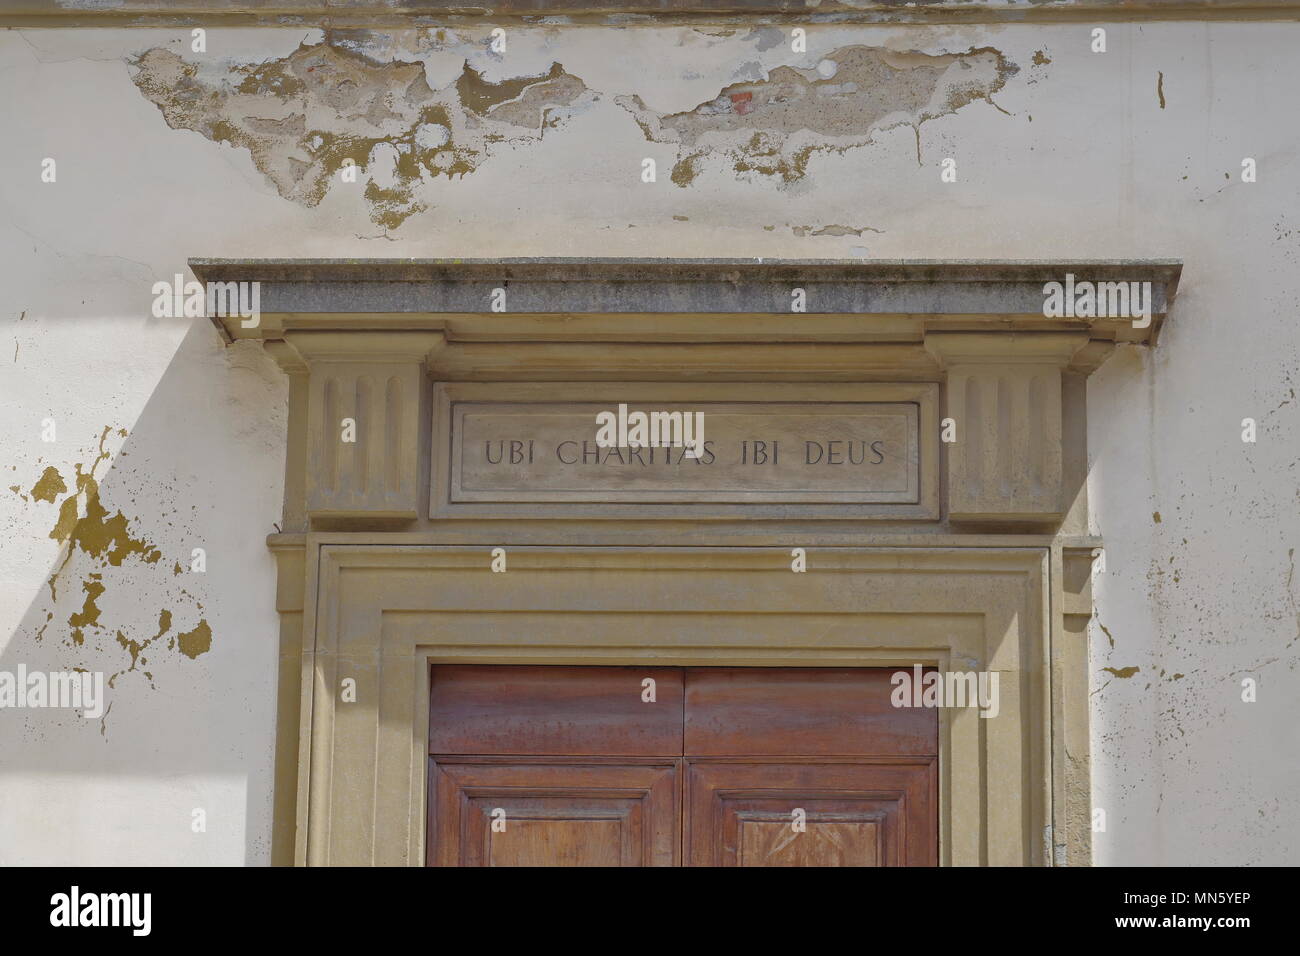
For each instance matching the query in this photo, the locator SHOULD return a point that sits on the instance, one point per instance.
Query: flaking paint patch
(195, 642)
(136, 648)
(84, 523)
(93, 542)
(772, 127)
(1122, 672)
(49, 486)
(88, 616)
(305, 116)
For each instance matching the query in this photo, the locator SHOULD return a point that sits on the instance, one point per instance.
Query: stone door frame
(375, 583)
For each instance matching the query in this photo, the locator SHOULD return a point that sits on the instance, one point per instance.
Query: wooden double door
(665, 766)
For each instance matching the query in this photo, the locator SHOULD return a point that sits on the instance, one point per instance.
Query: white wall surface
(1073, 156)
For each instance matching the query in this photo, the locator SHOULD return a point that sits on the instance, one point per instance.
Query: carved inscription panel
(656, 449)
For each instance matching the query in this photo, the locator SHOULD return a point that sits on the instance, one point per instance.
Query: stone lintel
(908, 296)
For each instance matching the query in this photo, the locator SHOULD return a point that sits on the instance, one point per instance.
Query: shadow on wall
(163, 589)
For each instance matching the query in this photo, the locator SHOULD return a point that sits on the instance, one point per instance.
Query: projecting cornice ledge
(414, 13)
(896, 301)
(1003, 346)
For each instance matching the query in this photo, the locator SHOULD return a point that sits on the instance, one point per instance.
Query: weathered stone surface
(556, 285)
(758, 452)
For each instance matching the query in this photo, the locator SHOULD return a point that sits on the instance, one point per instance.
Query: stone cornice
(572, 269)
(746, 300)
(418, 13)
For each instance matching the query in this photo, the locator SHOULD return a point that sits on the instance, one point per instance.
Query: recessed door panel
(770, 813)
(813, 711)
(555, 710)
(766, 838)
(553, 814)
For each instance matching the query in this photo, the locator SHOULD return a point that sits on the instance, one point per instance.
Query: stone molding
(416, 13)
(975, 328)
(381, 574)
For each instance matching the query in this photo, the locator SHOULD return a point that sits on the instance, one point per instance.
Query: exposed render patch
(50, 485)
(135, 648)
(772, 127)
(1160, 88)
(306, 116)
(85, 524)
(195, 642)
(1122, 672)
(767, 37)
(833, 230)
(95, 541)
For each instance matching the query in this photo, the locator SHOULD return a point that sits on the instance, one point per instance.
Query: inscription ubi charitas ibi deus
(798, 452)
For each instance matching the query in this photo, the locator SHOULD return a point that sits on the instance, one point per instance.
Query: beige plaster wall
(1061, 152)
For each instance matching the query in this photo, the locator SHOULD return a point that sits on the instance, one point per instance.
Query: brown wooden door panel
(553, 813)
(851, 836)
(574, 711)
(588, 773)
(753, 711)
(743, 813)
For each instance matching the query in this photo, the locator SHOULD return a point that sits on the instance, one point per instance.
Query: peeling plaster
(50, 484)
(93, 542)
(772, 127)
(84, 522)
(304, 116)
(195, 642)
(833, 230)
